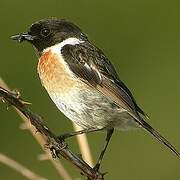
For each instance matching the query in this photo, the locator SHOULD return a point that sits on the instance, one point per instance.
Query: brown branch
(56, 146)
(57, 164)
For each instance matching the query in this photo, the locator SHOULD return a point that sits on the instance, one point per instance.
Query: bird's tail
(156, 134)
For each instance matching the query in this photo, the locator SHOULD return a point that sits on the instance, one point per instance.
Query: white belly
(90, 109)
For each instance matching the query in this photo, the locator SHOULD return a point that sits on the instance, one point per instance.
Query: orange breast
(54, 73)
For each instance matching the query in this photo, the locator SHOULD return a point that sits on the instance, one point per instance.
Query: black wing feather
(91, 65)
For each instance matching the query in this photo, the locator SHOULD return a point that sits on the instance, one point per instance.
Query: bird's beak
(22, 37)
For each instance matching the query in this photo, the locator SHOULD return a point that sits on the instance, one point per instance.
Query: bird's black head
(48, 32)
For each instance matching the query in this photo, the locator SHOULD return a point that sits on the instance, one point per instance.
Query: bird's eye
(45, 32)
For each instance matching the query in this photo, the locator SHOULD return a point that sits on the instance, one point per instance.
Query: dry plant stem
(20, 168)
(56, 146)
(57, 165)
(84, 146)
(82, 142)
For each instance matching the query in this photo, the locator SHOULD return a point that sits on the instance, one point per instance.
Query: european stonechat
(83, 83)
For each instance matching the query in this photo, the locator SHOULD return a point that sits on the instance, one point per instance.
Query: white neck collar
(57, 47)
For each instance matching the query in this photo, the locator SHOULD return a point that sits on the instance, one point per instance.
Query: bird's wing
(91, 65)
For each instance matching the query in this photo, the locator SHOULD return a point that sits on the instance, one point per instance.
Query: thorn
(147, 116)
(45, 127)
(25, 102)
(16, 93)
(54, 153)
(2, 99)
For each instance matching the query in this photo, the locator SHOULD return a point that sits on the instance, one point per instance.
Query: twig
(56, 146)
(57, 165)
(84, 146)
(20, 168)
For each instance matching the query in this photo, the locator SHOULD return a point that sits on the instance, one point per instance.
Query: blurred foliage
(142, 39)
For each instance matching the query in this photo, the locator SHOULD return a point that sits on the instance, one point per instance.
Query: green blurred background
(142, 39)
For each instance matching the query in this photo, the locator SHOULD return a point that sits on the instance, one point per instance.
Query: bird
(83, 83)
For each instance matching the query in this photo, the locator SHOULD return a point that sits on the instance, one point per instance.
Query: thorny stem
(56, 146)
